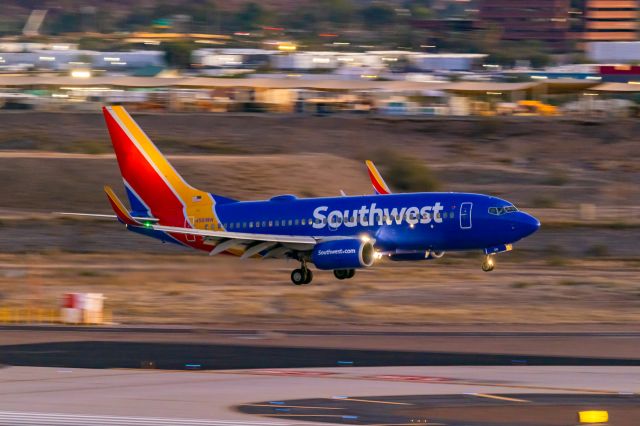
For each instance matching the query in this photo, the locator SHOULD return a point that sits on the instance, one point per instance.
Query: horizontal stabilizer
(105, 216)
(119, 208)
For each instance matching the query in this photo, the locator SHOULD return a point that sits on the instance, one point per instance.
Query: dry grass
(199, 289)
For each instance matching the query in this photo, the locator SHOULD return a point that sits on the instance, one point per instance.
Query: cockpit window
(499, 211)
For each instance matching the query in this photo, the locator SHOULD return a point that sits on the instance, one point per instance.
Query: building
(522, 20)
(611, 20)
(68, 59)
(613, 52)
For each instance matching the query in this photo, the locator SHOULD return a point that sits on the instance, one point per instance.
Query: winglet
(119, 208)
(379, 185)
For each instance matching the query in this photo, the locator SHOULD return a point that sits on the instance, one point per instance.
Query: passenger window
(304, 221)
(250, 224)
(270, 223)
(452, 215)
(230, 226)
(257, 224)
(297, 222)
(290, 222)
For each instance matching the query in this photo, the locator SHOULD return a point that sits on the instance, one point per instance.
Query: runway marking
(371, 401)
(292, 406)
(415, 379)
(536, 387)
(303, 415)
(59, 419)
(501, 398)
(410, 424)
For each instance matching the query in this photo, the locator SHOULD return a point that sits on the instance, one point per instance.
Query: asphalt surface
(229, 377)
(451, 396)
(177, 347)
(454, 410)
(185, 356)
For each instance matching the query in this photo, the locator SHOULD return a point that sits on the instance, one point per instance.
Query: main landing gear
(488, 265)
(344, 274)
(301, 276)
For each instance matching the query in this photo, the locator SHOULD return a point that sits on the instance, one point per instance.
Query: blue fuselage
(396, 222)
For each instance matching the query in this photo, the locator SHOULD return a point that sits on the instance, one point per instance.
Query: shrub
(556, 178)
(409, 175)
(597, 250)
(543, 201)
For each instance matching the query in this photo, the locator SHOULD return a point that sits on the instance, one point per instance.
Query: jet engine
(343, 254)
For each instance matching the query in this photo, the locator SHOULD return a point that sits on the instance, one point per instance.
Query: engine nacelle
(435, 254)
(416, 255)
(343, 254)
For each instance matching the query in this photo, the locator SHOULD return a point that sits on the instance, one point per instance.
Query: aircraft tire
(351, 273)
(298, 276)
(488, 265)
(341, 274)
(309, 277)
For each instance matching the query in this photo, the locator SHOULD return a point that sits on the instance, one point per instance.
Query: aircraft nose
(525, 224)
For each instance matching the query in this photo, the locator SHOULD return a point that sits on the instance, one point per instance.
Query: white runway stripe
(11, 418)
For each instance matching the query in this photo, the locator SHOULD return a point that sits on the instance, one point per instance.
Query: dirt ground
(575, 270)
(187, 288)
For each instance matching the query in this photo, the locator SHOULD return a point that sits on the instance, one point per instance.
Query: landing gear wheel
(488, 265)
(309, 277)
(298, 276)
(344, 274)
(340, 274)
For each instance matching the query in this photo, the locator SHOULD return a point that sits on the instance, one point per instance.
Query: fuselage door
(465, 215)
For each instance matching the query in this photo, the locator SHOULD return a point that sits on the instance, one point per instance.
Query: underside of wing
(245, 245)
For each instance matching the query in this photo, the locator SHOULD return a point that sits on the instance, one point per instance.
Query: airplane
(340, 234)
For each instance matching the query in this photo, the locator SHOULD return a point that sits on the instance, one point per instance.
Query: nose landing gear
(488, 265)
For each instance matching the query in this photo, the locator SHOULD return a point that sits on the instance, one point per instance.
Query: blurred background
(535, 101)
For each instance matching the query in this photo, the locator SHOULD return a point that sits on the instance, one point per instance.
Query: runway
(541, 396)
(75, 346)
(186, 376)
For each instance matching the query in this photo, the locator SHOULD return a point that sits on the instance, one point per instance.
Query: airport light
(593, 417)
(287, 47)
(81, 73)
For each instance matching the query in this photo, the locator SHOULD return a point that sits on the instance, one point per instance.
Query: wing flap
(292, 239)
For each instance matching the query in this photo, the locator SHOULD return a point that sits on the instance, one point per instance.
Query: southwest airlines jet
(339, 234)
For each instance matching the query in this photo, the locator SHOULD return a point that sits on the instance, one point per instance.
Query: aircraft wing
(379, 185)
(292, 239)
(249, 244)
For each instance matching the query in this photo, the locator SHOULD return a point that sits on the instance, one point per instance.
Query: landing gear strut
(344, 274)
(488, 265)
(302, 275)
